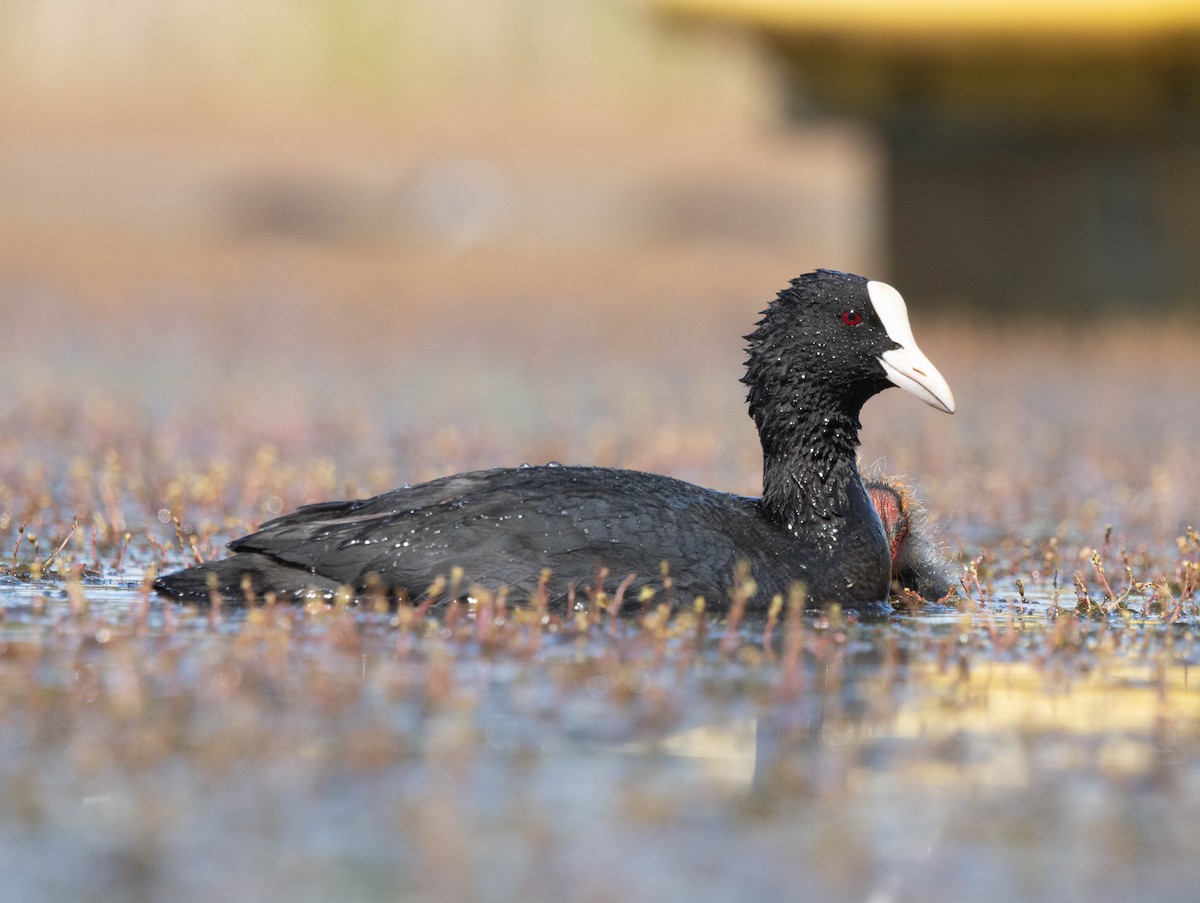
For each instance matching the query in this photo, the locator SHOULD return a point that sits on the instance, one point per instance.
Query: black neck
(810, 472)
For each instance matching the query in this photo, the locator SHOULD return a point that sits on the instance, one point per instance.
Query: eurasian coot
(918, 565)
(824, 346)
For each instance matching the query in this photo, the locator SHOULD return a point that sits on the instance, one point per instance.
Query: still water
(1003, 751)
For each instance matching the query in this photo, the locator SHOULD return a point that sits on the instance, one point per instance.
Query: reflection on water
(149, 751)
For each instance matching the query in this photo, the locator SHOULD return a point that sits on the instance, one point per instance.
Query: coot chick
(825, 345)
(918, 565)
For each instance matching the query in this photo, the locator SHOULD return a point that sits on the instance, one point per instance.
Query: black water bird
(918, 564)
(824, 346)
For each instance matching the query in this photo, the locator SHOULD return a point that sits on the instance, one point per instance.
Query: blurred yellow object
(940, 20)
(992, 696)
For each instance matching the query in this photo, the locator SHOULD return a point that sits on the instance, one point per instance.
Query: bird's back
(503, 526)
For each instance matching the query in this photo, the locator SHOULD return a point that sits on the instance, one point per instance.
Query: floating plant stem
(45, 565)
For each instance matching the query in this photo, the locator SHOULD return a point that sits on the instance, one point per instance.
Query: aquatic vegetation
(1035, 736)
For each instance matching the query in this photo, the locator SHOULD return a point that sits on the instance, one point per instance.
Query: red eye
(851, 317)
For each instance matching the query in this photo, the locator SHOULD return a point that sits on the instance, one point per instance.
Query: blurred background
(537, 229)
(257, 254)
(268, 217)
(383, 166)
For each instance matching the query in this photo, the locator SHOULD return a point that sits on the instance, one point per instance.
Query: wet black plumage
(821, 349)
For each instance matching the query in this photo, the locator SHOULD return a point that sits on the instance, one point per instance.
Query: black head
(828, 343)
